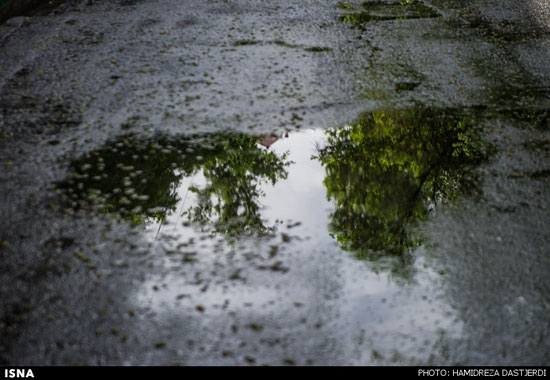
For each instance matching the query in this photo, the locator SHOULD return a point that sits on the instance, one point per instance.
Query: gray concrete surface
(83, 288)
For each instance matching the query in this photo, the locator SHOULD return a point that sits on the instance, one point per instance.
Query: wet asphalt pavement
(97, 89)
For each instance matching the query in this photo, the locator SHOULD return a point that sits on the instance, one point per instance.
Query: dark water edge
(14, 8)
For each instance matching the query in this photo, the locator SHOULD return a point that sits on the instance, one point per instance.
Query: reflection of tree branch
(423, 180)
(233, 181)
(447, 158)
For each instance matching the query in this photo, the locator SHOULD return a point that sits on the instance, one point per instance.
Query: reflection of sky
(302, 197)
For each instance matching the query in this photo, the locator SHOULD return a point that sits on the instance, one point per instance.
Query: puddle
(359, 14)
(302, 236)
(363, 185)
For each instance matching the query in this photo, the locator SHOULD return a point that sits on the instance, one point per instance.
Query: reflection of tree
(384, 172)
(138, 179)
(232, 192)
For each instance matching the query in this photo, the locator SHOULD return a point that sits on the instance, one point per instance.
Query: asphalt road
(79, 287)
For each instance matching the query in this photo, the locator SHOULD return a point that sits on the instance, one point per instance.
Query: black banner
(53, 372)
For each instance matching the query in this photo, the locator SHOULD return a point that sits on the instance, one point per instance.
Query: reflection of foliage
(384, 172)
(233, 175)
(138, 178)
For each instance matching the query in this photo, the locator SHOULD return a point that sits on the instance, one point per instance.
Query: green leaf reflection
(386, 171)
